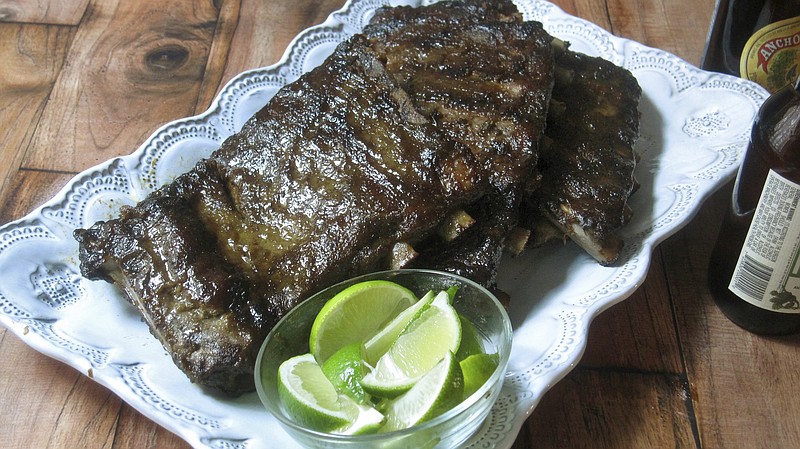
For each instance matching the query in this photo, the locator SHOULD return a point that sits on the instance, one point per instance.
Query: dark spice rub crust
(584, 176)
(483, 77)
(587, 161)
(318, 186)
(418, 143)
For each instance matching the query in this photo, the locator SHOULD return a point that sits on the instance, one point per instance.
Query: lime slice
(309, 397)
(434, 333)
(477, 369)
(380, 343)
(436, 392)
(369, 420)
(470, 339)
(345, 369)
(311, 400)
(356, 314)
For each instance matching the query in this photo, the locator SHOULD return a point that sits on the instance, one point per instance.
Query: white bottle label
(768, 271)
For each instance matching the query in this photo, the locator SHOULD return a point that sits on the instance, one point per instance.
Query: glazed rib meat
(586, 168)
(416, 143)
(484, 85)
(588, 160)
(483, 78)
(318, 186)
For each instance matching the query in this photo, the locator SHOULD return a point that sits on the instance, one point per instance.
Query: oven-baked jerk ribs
(483, 78)
(587, 159)
(318, 186)
(429, 140)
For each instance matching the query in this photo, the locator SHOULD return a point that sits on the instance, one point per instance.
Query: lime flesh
(377, 346)
(308, 396)
(356, 314)
(439, 390)
(432, 334)
(311, 400)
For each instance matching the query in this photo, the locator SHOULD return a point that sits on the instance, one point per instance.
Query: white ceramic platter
(694, 128)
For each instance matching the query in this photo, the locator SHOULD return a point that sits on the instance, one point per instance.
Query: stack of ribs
(439, 137)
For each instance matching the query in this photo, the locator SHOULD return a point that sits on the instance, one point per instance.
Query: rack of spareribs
(440, 137)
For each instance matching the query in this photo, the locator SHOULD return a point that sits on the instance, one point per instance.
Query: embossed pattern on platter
(100, 192)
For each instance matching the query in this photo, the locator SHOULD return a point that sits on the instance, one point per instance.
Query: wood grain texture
(611, 409)
(65, 410)
(260, 37)
(639, 334)
(129, 69)
(31, 57)
(64, 12)
(740, 381)
(84, 80)
(135, 431)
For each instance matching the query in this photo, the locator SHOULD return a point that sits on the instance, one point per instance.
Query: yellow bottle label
(771, 57)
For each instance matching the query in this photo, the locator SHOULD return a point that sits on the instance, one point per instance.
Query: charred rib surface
(588, 162)
(318, 186)
(434, 114)
(484, 79)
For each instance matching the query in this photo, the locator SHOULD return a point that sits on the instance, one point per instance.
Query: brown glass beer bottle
(754, 272)
(757, 40)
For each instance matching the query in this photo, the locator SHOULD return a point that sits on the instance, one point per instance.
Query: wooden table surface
(82, 81)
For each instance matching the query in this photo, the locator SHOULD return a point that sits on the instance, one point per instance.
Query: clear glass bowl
(451, 429)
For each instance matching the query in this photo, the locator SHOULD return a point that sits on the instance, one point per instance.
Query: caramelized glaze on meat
(588, 162)
(318, 186)
(431, 119)
(483, 78)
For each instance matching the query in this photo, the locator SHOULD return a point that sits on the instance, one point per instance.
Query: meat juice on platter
(359, 165)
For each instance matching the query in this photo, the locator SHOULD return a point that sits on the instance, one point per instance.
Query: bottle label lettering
(768, 271)
(772, 54)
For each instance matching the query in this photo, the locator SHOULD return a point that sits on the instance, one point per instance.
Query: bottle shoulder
(771, 55)
(776, 131)
(730, 47)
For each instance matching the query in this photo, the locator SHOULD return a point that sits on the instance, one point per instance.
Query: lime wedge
(356, 314)
(436, 392)
(432, 334)
(369, 420)
(345, 369)
(311, 400)
(477, 369)
(380, 343)
(309, 397)
(470, 339)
